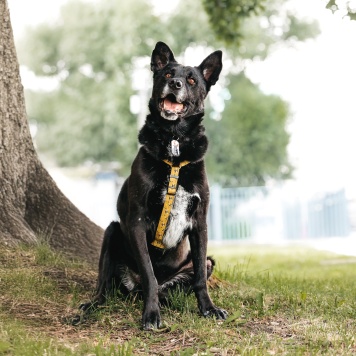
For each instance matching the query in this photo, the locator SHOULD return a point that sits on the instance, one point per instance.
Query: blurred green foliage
(91, 51)
(250, 142)
(252, 28)
(226, 17)
(346, 7)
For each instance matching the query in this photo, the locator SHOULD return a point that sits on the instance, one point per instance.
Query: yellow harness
(168, 203)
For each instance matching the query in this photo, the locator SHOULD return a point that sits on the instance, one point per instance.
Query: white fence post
(215, 206)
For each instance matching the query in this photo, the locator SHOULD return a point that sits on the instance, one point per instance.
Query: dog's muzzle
(171, 107)
(173, 100)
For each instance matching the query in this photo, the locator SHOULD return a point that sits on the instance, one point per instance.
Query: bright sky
(318, 79)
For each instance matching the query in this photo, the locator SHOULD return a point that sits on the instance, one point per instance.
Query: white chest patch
(178, 221)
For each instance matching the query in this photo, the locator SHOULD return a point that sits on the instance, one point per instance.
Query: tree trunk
(31, 205)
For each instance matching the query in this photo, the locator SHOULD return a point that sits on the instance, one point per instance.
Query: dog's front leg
(151, 318)
(198, 242)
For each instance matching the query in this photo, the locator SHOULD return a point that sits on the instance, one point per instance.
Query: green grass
(281, 300)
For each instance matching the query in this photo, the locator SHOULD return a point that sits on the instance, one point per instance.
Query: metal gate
(265, 213)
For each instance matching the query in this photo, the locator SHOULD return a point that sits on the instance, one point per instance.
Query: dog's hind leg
(183, 279)
(109, 273)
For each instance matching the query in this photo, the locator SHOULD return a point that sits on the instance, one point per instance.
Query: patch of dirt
(277, 326)
(65, 278)
(215, 282)
(10, 257)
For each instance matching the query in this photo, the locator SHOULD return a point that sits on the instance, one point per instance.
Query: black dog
(151, 250)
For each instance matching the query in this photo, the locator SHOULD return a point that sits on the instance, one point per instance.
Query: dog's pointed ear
(211, 68)
(161, 56)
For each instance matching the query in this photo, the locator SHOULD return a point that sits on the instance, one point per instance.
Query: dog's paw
(218, 313)
(151, 319)
(75, 320)
(87, 307)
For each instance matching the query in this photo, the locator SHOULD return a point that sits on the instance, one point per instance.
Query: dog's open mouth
(170, 105)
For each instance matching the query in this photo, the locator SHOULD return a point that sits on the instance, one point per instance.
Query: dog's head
(179, 91)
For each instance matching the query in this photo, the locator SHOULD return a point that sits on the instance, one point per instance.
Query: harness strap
(168, 203)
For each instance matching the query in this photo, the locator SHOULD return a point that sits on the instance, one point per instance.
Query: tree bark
(31, 205)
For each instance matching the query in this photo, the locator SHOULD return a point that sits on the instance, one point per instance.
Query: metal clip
(175, 148)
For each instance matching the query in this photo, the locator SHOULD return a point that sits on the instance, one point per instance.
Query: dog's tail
(107, 264)
(112, 236)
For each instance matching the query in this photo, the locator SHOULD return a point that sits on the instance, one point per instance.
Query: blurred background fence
(263, 214)
(271, 213)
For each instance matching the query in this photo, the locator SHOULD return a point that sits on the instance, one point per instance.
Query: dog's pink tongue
(168, 105)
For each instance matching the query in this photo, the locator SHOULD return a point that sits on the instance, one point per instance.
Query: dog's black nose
(176, 84)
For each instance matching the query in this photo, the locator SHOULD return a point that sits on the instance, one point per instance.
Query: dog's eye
(191, 81)
(168, 75)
